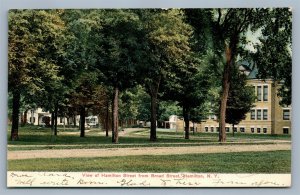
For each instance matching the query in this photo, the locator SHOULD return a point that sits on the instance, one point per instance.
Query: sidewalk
(78, 153)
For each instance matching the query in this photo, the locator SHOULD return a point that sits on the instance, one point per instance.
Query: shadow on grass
(33, 135)
(44, 136)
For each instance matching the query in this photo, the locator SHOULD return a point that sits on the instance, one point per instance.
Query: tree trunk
(25, 117)
(153, 93)
(98, 118)
(232, 130)
(112, 121)
(82, 121)
(74, 122)
(115, 137)
(186, 117)
(107, 119)
(153, 117)
(55, 119)
(194, 128)
(52, 121)
(64, 121)
(22, 119)
(15, 116)
(229, 52)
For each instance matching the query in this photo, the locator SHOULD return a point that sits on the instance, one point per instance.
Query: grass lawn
(34, 138)
(246, 162)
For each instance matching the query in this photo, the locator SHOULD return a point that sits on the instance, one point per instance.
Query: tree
(240, 99)
(82, 78)
(273, 54)
(231, 26)
(189, 88)
(166, 43)
(119, 53)
(190, 83)
(34, 38)
(84, 96)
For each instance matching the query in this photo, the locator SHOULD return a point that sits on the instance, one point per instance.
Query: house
(41, 118)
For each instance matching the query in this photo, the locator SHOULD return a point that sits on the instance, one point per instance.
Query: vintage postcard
(149, 97)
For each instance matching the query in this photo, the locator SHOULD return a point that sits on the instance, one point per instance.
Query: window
(259, 93)
(265, 130)
(252, 130)
(285, 130)
(242, 129)
(286, 114)
(265, 114)
(265, 93)
(206, 129)
(235, 129)
(218, 129)
(258, 115)
(227, 129)
(61, 120)
(212, 129)
(258, 130)
(252, 114)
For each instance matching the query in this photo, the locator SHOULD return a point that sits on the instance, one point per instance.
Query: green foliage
(116, 39)
(34, 41)
(273, 55)
(166, 109)
(166, 42)
(241, 98)
(144, 112)
(84, 92)
(130, 102)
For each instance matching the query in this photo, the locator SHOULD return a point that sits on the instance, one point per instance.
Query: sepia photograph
(164, 97)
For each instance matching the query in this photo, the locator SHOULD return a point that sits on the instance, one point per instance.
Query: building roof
(249, 67)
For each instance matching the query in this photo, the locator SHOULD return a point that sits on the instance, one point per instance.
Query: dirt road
(76, 153)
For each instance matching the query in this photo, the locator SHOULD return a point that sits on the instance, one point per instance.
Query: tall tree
(119, 53)
(167, 41)
(191, 85)
(34, 39)
(80, 75)
(231, 26)
(189, 89)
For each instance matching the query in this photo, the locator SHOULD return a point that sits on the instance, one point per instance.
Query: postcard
(164, 97)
